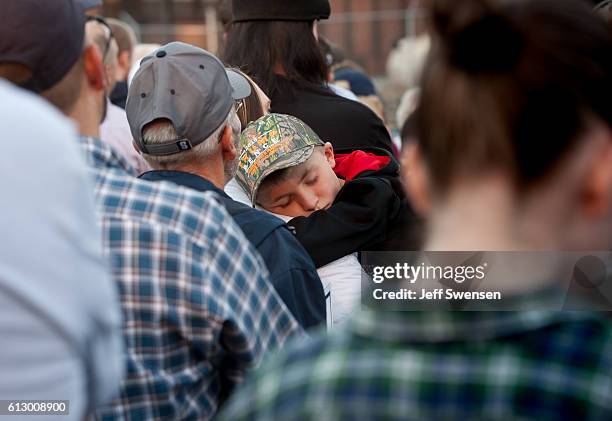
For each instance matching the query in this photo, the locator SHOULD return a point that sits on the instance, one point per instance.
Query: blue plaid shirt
(198, 309)
(523, 365)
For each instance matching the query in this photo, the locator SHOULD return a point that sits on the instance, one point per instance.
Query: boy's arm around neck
(359, 218)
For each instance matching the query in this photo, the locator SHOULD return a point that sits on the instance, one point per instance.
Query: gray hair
(162, 131)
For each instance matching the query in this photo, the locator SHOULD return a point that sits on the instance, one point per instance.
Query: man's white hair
(162, 131)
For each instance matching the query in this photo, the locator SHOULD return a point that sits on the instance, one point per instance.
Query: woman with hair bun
(515, 125)
(514, 154)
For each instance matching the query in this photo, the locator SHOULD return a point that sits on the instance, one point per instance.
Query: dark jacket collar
(184, 179)
(256, 225)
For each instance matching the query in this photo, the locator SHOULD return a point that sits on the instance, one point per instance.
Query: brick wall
(365, 29)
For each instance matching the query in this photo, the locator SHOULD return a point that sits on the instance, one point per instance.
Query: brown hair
(259, 47)
(511, 87)
(252, 108)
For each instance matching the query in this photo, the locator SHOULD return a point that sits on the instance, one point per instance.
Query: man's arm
(250, 318)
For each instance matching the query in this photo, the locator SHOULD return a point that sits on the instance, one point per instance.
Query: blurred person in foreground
(275, 42)
(515, 138)
(114, 129)
(198, 310)
(188, 131)
(126, 42)
(60, 322)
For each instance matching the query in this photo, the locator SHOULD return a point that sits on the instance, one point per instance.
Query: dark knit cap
(292, 10)
(45, 36)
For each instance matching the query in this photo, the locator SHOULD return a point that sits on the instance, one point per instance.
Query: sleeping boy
(340, 203)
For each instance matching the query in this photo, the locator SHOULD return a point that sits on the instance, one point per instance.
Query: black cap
(45, 36)
(291, 10)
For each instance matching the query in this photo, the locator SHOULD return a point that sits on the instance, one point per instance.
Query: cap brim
(292, 159)
(241, 88)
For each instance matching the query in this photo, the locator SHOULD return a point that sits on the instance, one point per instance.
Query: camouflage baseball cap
(272, 143)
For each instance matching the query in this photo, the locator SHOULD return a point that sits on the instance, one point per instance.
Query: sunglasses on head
(103, 22)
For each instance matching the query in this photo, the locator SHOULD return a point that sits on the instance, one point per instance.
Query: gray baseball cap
(188, 86)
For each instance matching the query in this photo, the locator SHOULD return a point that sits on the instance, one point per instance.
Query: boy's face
(308, 187)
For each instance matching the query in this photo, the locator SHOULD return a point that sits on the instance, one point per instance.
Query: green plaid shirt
(441, 366)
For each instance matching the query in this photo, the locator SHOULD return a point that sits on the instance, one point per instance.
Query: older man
(60, 321)
(115, 129)
(184, 121)
(198, 310)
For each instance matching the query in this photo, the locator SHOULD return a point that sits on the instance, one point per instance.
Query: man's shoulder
(342, 108)
(590, 336)
(576, 352)
(163, 205)
(256, 225)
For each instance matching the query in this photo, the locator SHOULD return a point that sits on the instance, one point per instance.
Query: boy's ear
(228, 148)
(415, 178)
(94, 68)
(329, 154)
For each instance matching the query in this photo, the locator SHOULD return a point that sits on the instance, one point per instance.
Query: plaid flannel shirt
(197, 307)
(440, 366)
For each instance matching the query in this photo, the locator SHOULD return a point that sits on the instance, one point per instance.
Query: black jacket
(340, 121)
(370, 212)
(291, 270)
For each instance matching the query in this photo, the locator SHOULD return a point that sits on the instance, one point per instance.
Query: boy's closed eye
(281, 203)
(303, 189)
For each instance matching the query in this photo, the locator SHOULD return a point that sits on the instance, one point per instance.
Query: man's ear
(597, 192)
(328, 149)
(415, 178)
(123, 65)
(227, 144)
(94, 68)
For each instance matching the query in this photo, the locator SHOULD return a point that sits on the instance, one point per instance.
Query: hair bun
(476, 37)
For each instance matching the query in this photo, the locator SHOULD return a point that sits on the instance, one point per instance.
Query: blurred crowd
(183, 233)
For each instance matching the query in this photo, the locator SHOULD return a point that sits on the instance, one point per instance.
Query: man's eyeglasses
(103, 22)
(237, 106)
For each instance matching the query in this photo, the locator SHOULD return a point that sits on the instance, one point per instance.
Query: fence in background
(366, 29)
